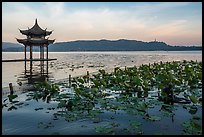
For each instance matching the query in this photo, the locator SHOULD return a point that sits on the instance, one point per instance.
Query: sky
(175, 23)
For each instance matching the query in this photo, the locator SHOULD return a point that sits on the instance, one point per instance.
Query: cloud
(154, 7)
(138, 21)
(171, 28)
(54, 9)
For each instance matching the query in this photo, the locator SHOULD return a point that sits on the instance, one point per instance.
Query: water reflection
(35, 73)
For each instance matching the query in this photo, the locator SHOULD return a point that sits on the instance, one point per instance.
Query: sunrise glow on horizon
(175, 23)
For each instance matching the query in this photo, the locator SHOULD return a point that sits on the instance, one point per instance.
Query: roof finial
(36, 21)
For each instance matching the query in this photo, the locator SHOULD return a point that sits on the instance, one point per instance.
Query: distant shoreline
(103, 45)
(112, 51)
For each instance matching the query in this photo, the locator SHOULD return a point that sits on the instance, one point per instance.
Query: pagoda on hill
(36, 36)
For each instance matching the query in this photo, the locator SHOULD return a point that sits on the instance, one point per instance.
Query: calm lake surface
(36, 118)
(78, 63)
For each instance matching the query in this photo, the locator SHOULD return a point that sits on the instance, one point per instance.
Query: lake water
(27, 120)
(78, 63)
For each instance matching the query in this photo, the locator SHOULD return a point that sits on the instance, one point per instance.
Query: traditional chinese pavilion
(36, 36)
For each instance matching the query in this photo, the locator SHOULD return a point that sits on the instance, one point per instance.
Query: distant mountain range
(7, 46)
(102, 45)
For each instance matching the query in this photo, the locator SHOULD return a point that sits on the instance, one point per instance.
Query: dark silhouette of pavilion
(36, 36)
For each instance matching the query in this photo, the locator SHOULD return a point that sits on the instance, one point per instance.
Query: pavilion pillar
(31, 52)
(43, 59)
(47, 58)
(25, 59)
(31, 57)
(41, 62)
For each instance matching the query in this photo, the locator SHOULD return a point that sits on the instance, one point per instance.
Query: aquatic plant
(45, 91)
(192, 127)
(128, 90)
(10, 102)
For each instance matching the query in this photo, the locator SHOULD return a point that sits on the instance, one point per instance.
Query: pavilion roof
(36, 30)
(35, 41)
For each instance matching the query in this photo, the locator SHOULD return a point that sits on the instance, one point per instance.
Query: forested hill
(107, 45)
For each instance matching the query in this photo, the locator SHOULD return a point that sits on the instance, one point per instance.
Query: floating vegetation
(134, 128)
(45, 91)
(36, 109)
(107, 129)
(10, 102)
(192, 127)
(45, 125)
(135, 91)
